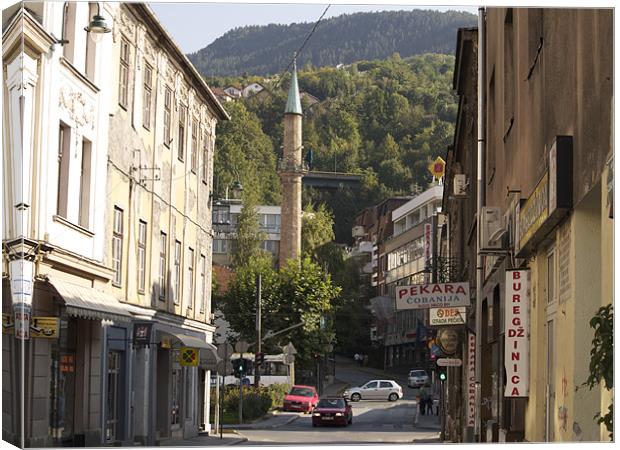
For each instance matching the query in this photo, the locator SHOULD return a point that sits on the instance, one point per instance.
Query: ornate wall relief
(79, 108)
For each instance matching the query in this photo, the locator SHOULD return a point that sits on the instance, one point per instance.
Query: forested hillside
(384, 119)
(263, 50)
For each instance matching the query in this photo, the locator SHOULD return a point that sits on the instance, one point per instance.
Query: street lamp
(97, 26)
(237, 189)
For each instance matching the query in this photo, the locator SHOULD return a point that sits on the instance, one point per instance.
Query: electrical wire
(298, 52)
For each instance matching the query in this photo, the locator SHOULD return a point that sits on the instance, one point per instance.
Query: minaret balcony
(287, 166)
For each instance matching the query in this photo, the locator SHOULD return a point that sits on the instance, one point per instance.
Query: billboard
(434, 295)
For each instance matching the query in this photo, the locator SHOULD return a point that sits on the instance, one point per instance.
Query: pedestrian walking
(356, 357)
(423, 400)
(418, 406)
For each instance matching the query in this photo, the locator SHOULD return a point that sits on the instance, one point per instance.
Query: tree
(317, 229)
(249, 237)
(602, 360)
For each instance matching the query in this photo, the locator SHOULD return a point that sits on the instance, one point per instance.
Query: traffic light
(442, 374)
(239, 367)
(259, 358)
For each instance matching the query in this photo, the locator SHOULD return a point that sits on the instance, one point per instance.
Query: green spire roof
(293, 104)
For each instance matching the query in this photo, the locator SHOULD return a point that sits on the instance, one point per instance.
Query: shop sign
(436, 295)
(189, 356)
(67, 363)
(550, 201)
(448, 340)
(44, 327)
(516, 354)
(471, 380)
(449, 362)
(22, 274)
(22, 321)
(7, 323)
(142, 333)
(447, 316)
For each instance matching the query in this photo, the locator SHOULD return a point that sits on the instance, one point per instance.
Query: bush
(256, 402)
(277, 393)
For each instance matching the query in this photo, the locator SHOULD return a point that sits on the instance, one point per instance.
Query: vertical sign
(428, 248)
(471, 380)
(516, 353)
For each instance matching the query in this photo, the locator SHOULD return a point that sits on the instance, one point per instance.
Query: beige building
(158, 221)
(547, 182)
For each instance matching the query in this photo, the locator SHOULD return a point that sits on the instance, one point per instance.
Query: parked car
(301, 398)
(418, 378)
(375, 390)
(332, 411)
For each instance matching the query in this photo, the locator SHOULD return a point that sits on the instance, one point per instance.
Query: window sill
(78, 228)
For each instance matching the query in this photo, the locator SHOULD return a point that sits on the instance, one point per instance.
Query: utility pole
(258, 331)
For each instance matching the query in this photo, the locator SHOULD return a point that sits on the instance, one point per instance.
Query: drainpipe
(479, 205)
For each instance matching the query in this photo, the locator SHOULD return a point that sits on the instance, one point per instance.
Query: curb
(256, 426)
(236, 442)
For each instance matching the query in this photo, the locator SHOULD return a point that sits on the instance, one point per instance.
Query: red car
(301, 398)
(332, 411)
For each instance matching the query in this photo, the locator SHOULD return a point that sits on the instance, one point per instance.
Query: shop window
(175, 413)
(189, 394)
(62, 383)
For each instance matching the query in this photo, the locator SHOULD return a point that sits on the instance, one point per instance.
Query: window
(551, 277)
(190, 276)
(181, 143)
(386, 384)
(175, 413)
(220, 246)
(123, 79)
(69, 30)
(64, 154)
(147, 96)
(194, 146)
(141, 255)
(163, 264)
(117, 246)
(205, 158)
(85, 175)
(167, 116)
(177, 272)
(271, 246)
(203, 282)
(371, 385)
(114, 395)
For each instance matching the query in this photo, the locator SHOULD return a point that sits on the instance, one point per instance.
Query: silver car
(375, 390)
(417, 378)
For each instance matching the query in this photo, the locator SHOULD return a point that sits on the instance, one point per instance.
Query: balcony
(288, 166)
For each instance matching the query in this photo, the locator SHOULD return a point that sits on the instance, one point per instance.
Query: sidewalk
(205, 441)
(274, 419)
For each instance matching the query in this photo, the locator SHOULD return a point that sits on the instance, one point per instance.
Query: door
(385, 389)
(371, 390)
(114, 391)
(551, 353)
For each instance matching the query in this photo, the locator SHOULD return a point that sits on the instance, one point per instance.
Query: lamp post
(97, 26)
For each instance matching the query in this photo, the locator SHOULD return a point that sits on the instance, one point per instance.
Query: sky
(195, 25)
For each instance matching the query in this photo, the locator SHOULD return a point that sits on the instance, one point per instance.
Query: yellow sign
(437, 168)
(189, 356)
(44, 327)
(7, 323)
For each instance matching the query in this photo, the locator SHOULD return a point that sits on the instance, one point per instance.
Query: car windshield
(302, 392)
(331, 403)
(417, 373)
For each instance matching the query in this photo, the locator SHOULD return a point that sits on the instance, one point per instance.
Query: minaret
(291, 170)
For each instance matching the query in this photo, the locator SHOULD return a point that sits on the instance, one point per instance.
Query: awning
(208, 352)
(90, 303)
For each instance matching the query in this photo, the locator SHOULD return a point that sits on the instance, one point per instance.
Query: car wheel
(356, 397)
(393, 397)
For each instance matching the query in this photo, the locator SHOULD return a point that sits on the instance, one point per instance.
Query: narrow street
(374, 422)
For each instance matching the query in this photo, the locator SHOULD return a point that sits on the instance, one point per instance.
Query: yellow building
(158, 224)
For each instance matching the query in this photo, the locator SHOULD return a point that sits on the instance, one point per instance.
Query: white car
(417, 378)
(375, 390)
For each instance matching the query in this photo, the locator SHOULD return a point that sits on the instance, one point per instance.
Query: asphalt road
(374, 421)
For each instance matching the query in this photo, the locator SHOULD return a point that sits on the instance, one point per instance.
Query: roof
(293, 103)
(167, 42)
(434, 193)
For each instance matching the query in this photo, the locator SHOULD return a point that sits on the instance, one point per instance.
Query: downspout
(479, 205)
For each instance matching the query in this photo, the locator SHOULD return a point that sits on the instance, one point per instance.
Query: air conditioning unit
(492, 229)
(358, 231)
(460, 185)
